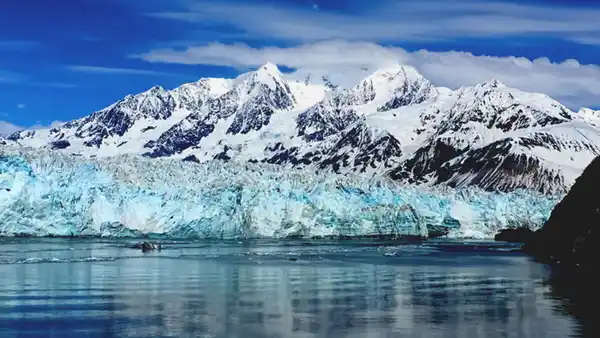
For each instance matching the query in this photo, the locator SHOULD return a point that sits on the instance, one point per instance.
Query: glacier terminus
(53, 194)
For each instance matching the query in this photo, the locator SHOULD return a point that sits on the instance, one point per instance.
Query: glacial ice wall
(46, 193)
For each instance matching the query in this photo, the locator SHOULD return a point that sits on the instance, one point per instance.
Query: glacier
(49, 193)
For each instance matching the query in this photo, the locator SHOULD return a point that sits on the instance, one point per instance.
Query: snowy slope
(590, 116)
(500, 138)
(127, 125)
(547, 160)
(375, 122)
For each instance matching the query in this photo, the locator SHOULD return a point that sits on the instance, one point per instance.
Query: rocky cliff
(572, 233)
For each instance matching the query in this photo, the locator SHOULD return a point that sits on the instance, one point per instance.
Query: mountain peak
(268, 74)
(396, 75)
(398, 85)
(152, 92)
(589, 114)
(484, 89)
(156, 89)
(493, 83)
(395, 68)
(270, 68)
(588, 111)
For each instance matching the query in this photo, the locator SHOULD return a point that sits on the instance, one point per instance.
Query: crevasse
(47, 193)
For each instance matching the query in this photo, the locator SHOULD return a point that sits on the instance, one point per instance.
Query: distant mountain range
(392, 122)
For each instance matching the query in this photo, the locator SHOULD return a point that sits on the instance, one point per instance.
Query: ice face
(47, 193)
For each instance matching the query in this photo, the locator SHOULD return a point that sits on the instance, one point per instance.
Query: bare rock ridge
(571, 235)
(389, 122)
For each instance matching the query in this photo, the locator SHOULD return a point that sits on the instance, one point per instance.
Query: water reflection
(157, 296)
(577, 295)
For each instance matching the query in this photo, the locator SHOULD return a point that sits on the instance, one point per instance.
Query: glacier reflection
(241, 293)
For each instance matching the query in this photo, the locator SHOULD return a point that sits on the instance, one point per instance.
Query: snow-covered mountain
(393, 123)
(590, 116)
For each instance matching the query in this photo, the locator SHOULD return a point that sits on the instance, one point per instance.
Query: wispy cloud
(111, 70)
(588, 40)
(88, 38)
(17, 45)
(392, 21)
(576, 84)
(12, 78)
(21, 106)
(52, 85)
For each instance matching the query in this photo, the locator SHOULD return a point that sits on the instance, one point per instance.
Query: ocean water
(101, 288)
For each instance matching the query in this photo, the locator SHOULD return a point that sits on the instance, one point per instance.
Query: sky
(63, 59)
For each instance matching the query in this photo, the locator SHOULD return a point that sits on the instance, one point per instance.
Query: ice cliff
(50, 193)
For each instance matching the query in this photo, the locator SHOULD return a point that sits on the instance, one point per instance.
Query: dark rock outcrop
(517, 235)
(60, 144)
(572, 233)
(437, 230)
(147, 246)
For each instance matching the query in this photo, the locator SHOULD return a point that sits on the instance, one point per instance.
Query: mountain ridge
(393, 123)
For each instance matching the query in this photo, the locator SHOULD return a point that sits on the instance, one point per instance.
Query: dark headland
(571, 236)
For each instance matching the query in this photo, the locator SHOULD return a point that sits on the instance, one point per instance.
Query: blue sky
(68, 58)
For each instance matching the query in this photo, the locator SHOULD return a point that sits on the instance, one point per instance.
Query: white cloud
(21, 106)
(393, 21)
(571, 82)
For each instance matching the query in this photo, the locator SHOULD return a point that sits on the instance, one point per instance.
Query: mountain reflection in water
(84, 288)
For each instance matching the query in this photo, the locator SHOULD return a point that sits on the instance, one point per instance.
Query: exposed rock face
(572, 234)
(518, 235)
(147, 246)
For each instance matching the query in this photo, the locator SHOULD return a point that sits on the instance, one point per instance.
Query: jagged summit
(384, 89)
(270, 68)
(395, 68)
(493, 83)
(589, 116)
(268, 74)
(155, 90)
(588, 113)
(389, 122)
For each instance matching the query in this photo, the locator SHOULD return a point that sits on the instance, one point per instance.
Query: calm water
(81, 288)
